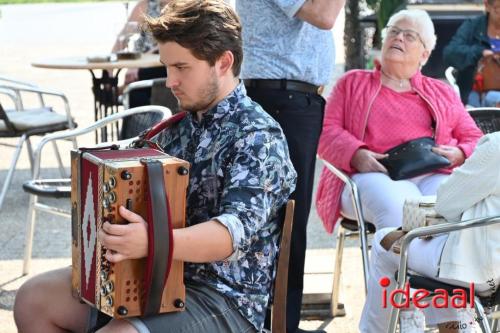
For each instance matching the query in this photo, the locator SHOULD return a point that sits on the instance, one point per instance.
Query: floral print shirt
(241, 175)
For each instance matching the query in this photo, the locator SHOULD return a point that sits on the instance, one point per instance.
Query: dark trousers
(301, 118)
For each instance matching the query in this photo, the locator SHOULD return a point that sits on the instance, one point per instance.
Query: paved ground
(33, 32)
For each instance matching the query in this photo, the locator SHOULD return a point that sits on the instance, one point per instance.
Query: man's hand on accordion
(125, 241)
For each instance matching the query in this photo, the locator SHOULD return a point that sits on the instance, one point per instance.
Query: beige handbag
(420, 212)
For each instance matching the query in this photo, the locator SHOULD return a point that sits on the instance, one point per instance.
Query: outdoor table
(105, 87)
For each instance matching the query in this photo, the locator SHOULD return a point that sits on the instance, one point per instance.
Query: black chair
(486, 118)
(145, 116)
(416, 281)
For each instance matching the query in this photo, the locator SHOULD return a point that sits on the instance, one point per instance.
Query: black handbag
(413, 158)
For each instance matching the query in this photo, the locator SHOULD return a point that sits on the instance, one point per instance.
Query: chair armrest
(17, 82)
(13, 96)
(351, 186)
(40, 92)
(63, 135)
(430, 231)
(438, 229)
(134, 86)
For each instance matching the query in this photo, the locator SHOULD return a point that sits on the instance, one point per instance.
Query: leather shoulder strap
(166, 123)
(160, 238)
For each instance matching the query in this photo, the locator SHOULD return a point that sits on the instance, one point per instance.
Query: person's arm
(475, 180)
(462, 52)
(259, 180)
(465, 131)
(337, 145)
(137, 15)
(320, 13)
(130, 241)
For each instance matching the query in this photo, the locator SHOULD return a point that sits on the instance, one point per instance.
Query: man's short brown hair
(207, 28)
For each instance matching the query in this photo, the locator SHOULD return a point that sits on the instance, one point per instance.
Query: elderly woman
(370, 112)
(471, 255)
(476, 38)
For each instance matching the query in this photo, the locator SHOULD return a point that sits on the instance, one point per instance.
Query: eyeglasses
(410, 36)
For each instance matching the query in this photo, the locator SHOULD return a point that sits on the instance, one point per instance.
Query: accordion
(420, 212)
(149, 183)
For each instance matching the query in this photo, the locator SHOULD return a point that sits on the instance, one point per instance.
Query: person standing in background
(477, 38)
(288, 56)
(144, 44)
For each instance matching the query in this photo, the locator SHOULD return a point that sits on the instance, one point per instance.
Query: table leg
(105, 90)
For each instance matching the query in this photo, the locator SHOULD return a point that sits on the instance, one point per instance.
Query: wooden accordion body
(102, 181)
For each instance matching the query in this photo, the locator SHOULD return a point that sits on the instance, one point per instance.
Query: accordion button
(122, 311)
(112, 182)
(103, 291)
(104, 275)
(125, 175)
(105, 187)
(112, 197)
(105, 203)
(182, 171)
(109, 301)
(179, 303)
(109, 287)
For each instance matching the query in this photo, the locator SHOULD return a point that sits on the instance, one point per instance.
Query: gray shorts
(206, 311)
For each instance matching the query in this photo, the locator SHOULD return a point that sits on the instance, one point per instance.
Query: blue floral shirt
(241, 175)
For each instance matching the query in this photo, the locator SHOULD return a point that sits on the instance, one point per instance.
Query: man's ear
(225, 62)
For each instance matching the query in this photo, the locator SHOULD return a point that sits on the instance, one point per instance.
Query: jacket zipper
(434, 113)
(369, 110)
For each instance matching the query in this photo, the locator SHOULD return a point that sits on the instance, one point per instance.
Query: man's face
(194, 82)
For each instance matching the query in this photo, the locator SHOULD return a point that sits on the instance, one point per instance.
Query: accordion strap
(160, 241)
(146, 136)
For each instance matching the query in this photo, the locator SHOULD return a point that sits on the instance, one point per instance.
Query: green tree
(384, 10)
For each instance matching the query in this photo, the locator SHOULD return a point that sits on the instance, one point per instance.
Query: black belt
(282, 85)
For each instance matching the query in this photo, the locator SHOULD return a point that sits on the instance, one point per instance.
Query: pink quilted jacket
(345, 121)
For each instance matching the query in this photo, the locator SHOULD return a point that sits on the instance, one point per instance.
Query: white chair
(61, 188)
(160, 94)
(23, 123)
(450, 73)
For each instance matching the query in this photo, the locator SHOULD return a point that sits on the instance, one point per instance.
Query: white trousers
(423, 258)
(382, 198)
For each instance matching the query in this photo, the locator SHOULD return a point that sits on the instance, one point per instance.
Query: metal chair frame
(14, 89)
(155, 99)
(63, 186)
(430, 231)
(362, 231)
(450, 73)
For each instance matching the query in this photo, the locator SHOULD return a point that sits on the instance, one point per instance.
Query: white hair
(422, 23)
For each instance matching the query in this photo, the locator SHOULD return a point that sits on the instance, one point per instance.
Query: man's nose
(171, 81)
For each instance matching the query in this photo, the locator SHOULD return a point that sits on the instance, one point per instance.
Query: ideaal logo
(440, 297)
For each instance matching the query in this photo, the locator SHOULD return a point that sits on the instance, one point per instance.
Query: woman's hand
(454, 154)
(365, 160)
(131, 75)
(125, 241)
